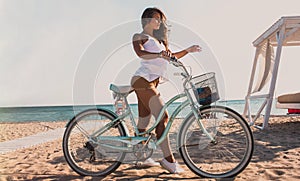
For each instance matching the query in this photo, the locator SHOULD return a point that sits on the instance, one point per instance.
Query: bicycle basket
(205, 89)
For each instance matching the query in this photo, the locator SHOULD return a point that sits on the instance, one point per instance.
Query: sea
(63, 113)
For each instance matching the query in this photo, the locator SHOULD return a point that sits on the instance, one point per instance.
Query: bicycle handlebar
(174, 61)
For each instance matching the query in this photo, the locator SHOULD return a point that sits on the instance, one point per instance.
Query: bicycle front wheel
(83, 151)
(220, 145)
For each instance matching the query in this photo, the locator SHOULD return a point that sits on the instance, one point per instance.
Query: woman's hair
(161, 33)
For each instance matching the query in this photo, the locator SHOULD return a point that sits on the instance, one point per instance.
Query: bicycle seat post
(120, 94)
(120, 104)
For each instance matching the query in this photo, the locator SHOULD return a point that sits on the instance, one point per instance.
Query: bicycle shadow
(121, 175)
(66, 177)
(128, 172)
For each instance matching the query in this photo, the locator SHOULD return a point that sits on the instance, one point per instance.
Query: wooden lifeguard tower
(285, 32)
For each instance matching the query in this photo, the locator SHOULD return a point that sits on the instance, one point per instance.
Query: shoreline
(66, 112)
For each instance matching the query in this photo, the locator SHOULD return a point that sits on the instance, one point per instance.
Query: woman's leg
(150, 103)
(156, 105)
(144, 116)
(140, 84)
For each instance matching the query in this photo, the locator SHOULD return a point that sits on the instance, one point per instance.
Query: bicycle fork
(202, 127)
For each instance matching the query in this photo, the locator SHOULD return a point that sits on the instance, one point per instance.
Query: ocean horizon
(67, 112)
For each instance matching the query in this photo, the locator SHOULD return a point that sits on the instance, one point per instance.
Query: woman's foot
(171, 167)
(148, 163)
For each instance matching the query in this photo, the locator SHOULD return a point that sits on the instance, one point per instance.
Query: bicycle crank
(91, 148)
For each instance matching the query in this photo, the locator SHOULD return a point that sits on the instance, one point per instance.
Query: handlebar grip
(173, 59)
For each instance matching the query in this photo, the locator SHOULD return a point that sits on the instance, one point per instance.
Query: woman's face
(155, 21)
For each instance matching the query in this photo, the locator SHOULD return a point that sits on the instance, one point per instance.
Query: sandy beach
(276, 156)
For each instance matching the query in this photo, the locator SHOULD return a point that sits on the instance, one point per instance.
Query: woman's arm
(138, 40)
(191, 49)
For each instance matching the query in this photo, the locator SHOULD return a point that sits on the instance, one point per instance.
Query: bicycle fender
(113, 114)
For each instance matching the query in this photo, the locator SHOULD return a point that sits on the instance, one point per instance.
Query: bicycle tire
(85, 157)
(224, 157)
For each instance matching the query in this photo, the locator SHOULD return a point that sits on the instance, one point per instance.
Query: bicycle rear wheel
(223, 154)
(83, 152)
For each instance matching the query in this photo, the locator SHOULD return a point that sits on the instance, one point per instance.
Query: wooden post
(246, 110)
(280, 39)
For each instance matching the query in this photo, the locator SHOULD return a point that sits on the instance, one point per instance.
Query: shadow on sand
(279, 137)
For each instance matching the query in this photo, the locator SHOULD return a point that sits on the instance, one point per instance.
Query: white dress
(152, 69)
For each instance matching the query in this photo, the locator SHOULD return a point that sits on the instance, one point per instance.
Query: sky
(56, 52)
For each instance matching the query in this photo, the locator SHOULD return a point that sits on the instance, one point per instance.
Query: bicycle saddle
(123, 89)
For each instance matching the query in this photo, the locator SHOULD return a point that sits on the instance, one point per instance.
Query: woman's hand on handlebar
(165, 54)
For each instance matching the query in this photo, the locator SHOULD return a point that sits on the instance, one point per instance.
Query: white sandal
(171, 167)
(148, 163)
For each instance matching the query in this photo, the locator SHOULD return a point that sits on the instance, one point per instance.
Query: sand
(276, 156)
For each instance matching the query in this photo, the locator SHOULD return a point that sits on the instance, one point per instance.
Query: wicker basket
(205, 88)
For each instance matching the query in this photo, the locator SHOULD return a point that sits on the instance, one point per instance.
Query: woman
(151, 45)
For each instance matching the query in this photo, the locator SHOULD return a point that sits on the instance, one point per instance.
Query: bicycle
(213, 141)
